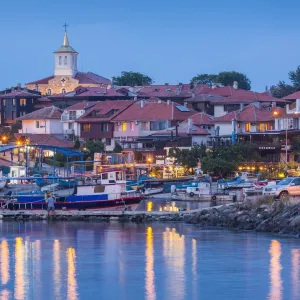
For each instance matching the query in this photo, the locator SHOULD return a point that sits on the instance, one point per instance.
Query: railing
(68, 118)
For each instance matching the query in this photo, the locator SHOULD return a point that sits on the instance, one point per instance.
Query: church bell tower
(65, 58)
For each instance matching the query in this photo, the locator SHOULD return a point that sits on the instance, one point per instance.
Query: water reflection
(174, 253)
(5, 295)
(295, 272)
(150, 276)
(275, 271)
(4, 262)
(72, 282)
(19, 269)
(56, 267)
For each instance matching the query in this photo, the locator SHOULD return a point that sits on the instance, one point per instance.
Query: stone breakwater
(276, 217)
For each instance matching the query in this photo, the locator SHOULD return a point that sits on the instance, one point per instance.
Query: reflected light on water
(72, 282)
(275, 271)
(4, 262)
(174, 253)
(56, 266)
(5, 295)
(295, 272)
(19, 269)
(150, 276)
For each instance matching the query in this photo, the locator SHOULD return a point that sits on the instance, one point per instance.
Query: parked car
(289, 186)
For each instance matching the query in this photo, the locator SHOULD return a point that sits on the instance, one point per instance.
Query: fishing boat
(108, 191)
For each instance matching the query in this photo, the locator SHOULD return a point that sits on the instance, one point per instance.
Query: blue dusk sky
(171, 41)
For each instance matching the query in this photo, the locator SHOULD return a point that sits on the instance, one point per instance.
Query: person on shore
(50, 204)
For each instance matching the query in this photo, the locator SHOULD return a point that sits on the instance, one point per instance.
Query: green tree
(294, 77)
(282, 89)
(118, 148)
(204, 79)
(225, 78)
(94, 146)
(132, 79)
(188, 158)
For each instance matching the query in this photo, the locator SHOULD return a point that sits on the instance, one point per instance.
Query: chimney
(135, 98)
(193, 95)
(213, 85)
(190, 124)
(166, 83)
(168, 101)
(142, 103)
(273, 104)
(185, 104)
(235, 85)
(37, 87)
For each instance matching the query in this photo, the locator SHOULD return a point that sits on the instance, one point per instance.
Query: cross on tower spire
(65, 25)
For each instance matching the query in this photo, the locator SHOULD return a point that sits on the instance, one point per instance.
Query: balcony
(68, 118)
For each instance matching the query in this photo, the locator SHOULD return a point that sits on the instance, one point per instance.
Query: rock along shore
(268, 216)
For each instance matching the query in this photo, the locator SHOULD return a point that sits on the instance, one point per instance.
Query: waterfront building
(96, 123)
(66, 77)
(142, 119)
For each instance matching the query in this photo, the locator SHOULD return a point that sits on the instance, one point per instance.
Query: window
(59, 60)
(14, 102)
(70, 125)
(22, 102)
(63, 91)
(4, 102)
(131, 126)
(124, 126)
(108, 141)
(49, 92)
(37, 124)
(296, 181)
(104, 127)
(144, 126)
(66, 60)
(86, 127)
(104, 176)
(72, 115)
(263, 127)
(158, 125)
(247, 127)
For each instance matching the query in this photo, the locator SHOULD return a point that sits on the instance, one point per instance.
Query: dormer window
(63, 91)
(59, 60)
(65, 60)
(49, 92)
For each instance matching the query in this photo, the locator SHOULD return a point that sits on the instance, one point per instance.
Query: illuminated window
(263, 127)
(247, 127)
(86, 127)
(66, 60)
(14, 102)
(22, 102)
(124, 126)
(131, 125)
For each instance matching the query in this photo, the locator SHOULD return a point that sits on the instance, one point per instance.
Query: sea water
(85, 260)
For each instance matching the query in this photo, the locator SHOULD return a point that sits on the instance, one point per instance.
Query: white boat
(154, 190)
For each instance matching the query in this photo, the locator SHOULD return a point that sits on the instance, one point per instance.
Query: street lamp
(149, 162)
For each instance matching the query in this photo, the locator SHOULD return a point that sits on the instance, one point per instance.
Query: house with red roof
(66, 77)
(142, 119)
(96, 121)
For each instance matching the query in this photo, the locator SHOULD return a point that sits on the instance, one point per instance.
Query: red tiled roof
(201, 119)
(81, 105)
(42, 81)
(104, 111)
(82, 77)
(293, 96)
(250, 113)
(205, 98)
(20, 94)
(51, 112)
(153, 111)
(45, 139)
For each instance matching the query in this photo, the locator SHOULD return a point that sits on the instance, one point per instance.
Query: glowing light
(150, 276)
(281, 175)
(4, 262)
(275, 271)
(72, 282)
(18, 143)
(240, 168)
(149, 206)
(19, 270)
(275, 113)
